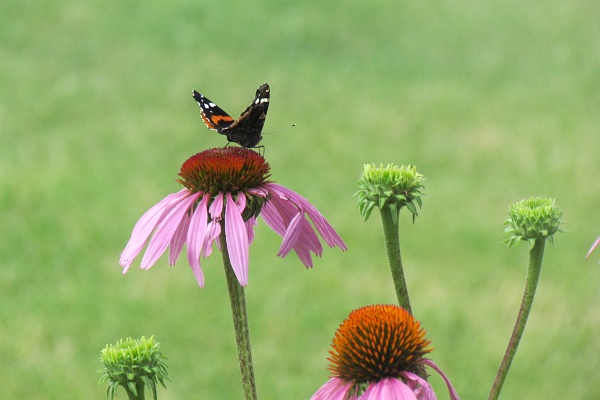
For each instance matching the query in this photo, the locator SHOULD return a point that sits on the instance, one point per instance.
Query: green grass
(492, 103)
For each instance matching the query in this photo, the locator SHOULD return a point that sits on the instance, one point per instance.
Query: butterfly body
(246, 130)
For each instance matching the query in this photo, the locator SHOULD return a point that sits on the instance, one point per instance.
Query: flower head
(389, 186)
(133, 364)
(531, 219)
(378, 353)
(225, 190)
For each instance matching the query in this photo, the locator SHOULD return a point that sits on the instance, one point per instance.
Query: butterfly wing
(247, 129)
(213, 116)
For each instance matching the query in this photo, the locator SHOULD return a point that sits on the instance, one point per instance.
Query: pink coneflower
(227, 187)
(377, 354)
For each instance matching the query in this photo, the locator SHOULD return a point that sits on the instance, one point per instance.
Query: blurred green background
(492, 101)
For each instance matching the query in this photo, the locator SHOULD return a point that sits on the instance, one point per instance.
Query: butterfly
(246, 130)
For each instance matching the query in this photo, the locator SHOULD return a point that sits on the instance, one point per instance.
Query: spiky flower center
(224, 170)
(377, 342)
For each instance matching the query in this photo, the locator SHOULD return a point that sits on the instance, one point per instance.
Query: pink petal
(165, 231)
(298, 233)
(237, 241)
(146, 224)
(213, 230)
(179, 239)
(323, 227)
(216, 208)
(388, 389)
(453, 393)
(291, 236)
(195, 238)
(259, 191)
(241, 202)
(272, 218)
(334, 389)
(304, 255)
(596, 243)
(420, 387)
(250, 224)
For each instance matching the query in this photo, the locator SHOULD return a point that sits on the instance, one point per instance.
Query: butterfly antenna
(279, 130)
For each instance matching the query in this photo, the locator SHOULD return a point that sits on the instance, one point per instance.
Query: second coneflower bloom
(227, 188)
(378, 353)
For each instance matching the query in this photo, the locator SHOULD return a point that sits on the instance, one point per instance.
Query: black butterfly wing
(214, 117)
(247, 129)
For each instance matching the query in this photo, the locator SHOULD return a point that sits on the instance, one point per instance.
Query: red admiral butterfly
(246, 130)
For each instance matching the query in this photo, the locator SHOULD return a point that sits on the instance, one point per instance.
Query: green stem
(392, 244)
(240, 323)
(139, 387)
(536, 256)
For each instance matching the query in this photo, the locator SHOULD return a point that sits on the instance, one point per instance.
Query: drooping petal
(146, 224)
(195, 238)
(334, 389)
(287, 217)
(216, 208)
(240, 202)
(420, 387)
(388, 389)
(179, 239)
(165, 231)
(291, 235)
(250, 224)
(237, 241)
(432, 365)
(213, 230)
(259, 191)
(272, 218)
(321, 224)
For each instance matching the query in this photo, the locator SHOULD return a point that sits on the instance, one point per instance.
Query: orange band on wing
(216, 119)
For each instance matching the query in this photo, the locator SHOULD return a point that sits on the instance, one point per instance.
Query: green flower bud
(133, 364)
(531, 219)
(390, 186)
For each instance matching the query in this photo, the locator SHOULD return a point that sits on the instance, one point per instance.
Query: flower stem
(392, 244)
(139, 387)
(240, 323)
(536, 255)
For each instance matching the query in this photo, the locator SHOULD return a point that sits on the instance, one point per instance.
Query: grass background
(493, 102)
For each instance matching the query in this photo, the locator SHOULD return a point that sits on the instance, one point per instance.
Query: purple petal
(146, 224)
(596, 243)
(195, 238)
(323, 227)
(420, 387)
(179, 239)
(216, 208)
(388, 389)
(241, 202)
(272, 218)
(213, 230)
(250, 224)
(259, 191)
(334, 389)
(237, 240)
(165, 231)
(298, 232)
(291, 236)
(303, 254)
(430, 363)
